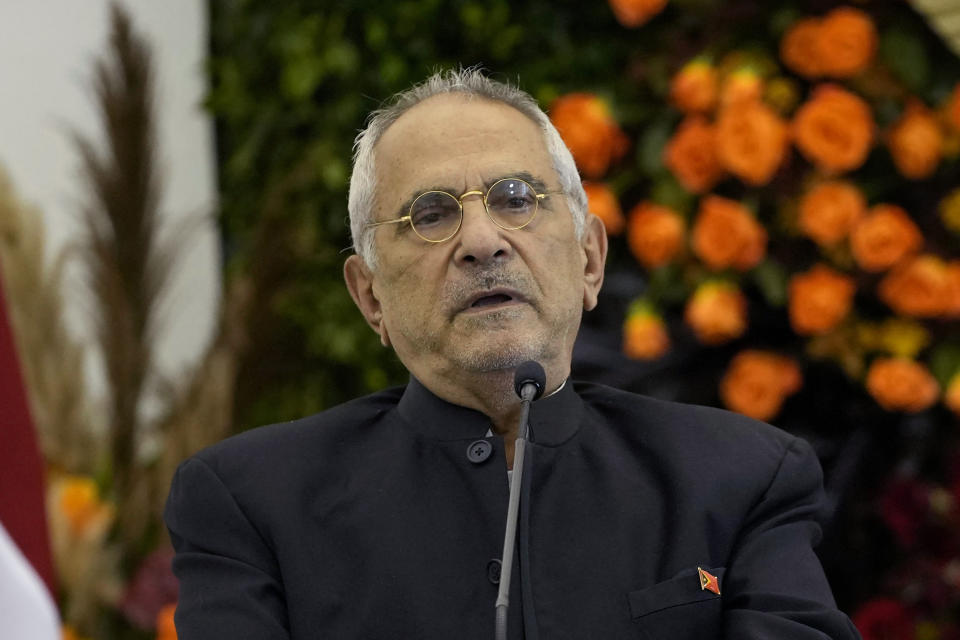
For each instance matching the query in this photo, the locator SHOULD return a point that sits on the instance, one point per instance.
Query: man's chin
(490, 361)
(499, 350)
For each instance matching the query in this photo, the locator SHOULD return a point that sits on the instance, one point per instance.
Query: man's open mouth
(486, 301)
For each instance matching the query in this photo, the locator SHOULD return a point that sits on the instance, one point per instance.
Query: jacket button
(493, 571)
(478, 451)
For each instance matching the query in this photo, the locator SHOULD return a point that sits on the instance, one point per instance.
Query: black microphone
(529, 373)
(529, 381)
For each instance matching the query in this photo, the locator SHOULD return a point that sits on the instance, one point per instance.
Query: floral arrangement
(922, 517)
(811, 180)
(784, 174)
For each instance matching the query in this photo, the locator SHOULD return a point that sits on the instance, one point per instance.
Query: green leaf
(670, 193)
(658, 75)
(377, 34)
(782, 19)
(393, 69)
(473, 16)
(945, 362)
(342, 58)
(771, 278)
(886, 111)
(906, 55)
(376, 378)
(650, 147)
(666, 285)
(301, 76)
(643, 304)
(546, 94)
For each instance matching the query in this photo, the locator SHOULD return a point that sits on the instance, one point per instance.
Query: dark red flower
(884, 619)
(904, 506)
(152, 587)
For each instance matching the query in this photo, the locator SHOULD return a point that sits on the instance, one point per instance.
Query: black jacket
(382, 518)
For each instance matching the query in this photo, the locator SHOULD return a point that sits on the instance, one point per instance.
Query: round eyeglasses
(436, 216)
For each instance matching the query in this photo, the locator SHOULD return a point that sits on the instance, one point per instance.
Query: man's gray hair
(470, 82)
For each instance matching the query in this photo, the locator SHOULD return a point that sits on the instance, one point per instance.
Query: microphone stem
(510, 534)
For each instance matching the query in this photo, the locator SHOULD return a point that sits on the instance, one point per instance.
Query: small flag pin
(708, 581)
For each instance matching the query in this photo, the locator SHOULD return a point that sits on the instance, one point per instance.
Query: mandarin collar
(553, 419)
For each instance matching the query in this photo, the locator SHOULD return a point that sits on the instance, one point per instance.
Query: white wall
(47, 48)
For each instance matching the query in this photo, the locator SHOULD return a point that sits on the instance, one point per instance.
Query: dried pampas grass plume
(52, 359)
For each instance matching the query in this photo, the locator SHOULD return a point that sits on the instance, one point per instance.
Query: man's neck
(489, 392)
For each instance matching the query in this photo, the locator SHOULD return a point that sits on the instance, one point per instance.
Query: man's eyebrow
(539, 185)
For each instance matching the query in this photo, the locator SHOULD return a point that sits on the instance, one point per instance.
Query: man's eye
(513, 205)
(429, 217)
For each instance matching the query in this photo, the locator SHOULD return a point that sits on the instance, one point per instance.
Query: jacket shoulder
(694, 433)
(282, 444)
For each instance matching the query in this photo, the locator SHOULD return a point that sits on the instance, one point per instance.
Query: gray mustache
(457, 294)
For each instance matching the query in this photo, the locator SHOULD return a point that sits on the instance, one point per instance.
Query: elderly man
(384, 517)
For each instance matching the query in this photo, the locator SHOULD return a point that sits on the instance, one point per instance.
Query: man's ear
(359, 279)
(594, 245)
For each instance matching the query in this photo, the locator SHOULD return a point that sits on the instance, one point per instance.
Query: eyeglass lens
(511, 203)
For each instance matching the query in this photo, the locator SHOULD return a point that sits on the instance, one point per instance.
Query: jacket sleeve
(774, 585)
(230, 585)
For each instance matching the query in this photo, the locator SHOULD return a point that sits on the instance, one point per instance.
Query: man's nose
(479, 239)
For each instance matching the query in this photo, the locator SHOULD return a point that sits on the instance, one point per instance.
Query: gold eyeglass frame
(474, 192)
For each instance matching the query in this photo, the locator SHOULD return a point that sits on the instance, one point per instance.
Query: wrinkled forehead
(456, 140)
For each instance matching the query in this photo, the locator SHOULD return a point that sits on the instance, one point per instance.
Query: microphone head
(530, 372)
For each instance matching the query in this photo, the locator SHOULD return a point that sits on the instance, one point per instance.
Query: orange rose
(589, 131)
(951, 397)
(751, 141)
(830, 210)
(953, 108)
(884, 237)
(742, 85)
(717, 312)
(846, 43)
(692, 157)
(900, 384)
(819, 300)
(922, 287)
(799, 48)
(757, 382)
(602, 203)
(916, 142)
(655, 234)
(633, 13)
(694, 88)
(726, 235)
(645, 335)
(78, 499)
(834, 129)
(165, 627)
